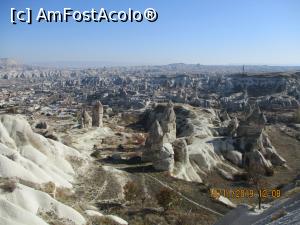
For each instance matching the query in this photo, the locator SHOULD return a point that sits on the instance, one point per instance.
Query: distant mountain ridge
(7, 63)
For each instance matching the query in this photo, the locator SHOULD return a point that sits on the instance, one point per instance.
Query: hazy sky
(189, 31)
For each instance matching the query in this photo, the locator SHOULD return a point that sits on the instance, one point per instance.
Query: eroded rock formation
(97, 114)
(165, 151)
(183, 168)
(165, 115)
(158, 145)
(253, 142)
(159, 152)
(168, 123)
(85, 120)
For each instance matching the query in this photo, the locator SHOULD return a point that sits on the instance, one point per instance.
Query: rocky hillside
(32, 169)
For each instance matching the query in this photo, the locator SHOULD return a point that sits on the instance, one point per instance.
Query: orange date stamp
(244, 193)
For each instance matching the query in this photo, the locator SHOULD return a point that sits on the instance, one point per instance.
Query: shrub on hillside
(9, 186)
(166, 198)
(133, 192)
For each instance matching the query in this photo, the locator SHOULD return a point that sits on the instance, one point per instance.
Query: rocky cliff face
(277, 102)
(256, 85)
(269, 91)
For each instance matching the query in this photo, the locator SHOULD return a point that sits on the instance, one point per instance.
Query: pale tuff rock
(253, 125)
(166, 117)
(158, 152)
(93, 213)
(183, 168)
(201, 155)
(180, 151)
(269, 151)
(184, 125)
(205, 149)
(228, 125)
(155, 136)
(275, 102)
(255, 144)
(85, 120)
(163, 158)
(97, 115)
(232, 126)
(24, 204)
(40, 162)
(234, 157)
(168, 123)
(32, 157)
(251, 129)
(256, 117)
(162, 132)
(224, 116)
(244, 143)
(235, 102)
